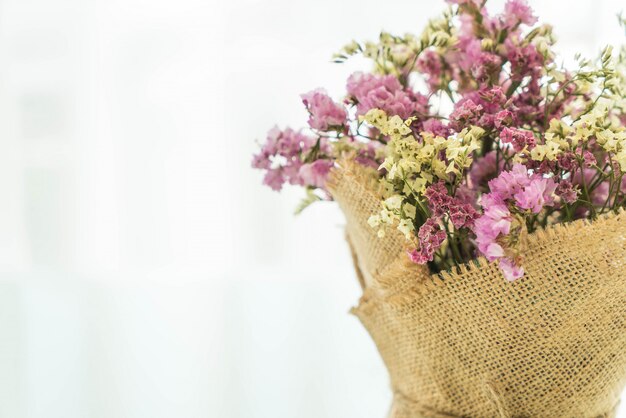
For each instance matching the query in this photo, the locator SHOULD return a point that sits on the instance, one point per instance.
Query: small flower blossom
(517, 189)
(385, 93)
(315, 173)
(495, 221)
(566, 191)
(465, 113)
(518, 138)
(537, 194)
(429, 63)
(282, 157)
(485, 169)
(461, 214)
(503, 118)
(518, 11)
(508, 183)
(430, 236)
(324, 113)
(510, 270)
(589, 160)
(436, 127)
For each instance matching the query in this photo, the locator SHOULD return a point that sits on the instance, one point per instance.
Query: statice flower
(465, 113)
(518, 138)
(537, 194)
(518, 11)
(510, 270)
(315, 173)
(495, 221)
(491, 228)
(503, 118)
(429, 64)
(524, 59)
(566, 191)
(282, 157)
(503, 141)
(324, 113)
(430, 236)
(441, 203)
(509, 183)
(515, 190)
(436, 127)
(485, 169)
(386, 93)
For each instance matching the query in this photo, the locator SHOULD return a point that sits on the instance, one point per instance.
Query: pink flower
(524, 59)
(566, 191)
(508, 183)
(366, 153)
(503, 118)
(315, 173)
(441, 204)
(518, 11)
(517, 186)
(518, 138)
(436, 127)
(510, 270)
(384, 92)
(429, 64)
(465, 113)
(493, 96)
(499, 218)
(495, 221)
(484, 170)
(274, 179)
(567, 161)
(492, 250)
(486, 66)
(536, 195)
(324, 113)
(430, 236)
(589, 160)
(281, 156)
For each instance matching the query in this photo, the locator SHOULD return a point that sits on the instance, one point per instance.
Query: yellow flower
(393, 202)
(409, 210)
(406, 227)
(607, 139)
(374, 221)
(548, 151)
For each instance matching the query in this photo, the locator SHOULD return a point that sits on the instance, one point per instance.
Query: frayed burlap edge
(399, 295)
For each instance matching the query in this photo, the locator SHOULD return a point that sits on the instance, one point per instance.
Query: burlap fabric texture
(471, 344)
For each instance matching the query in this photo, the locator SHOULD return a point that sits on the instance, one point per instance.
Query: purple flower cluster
(283, 157)
(324, 113)
(514, 190)
(518, 138)
(370, 91)
(461, 214)
(430, 236)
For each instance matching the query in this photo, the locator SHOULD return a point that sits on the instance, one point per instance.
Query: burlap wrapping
(471, 344)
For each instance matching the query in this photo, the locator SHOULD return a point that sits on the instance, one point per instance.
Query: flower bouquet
(483, 184)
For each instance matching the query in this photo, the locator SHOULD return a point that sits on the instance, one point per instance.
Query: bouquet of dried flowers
(526, 142)
(470, 153)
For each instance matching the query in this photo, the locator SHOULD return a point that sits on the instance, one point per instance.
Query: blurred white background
(144, 270)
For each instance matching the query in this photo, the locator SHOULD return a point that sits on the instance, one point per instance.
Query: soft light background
(144, 271)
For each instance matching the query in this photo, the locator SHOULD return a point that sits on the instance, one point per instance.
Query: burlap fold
(471, 344)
